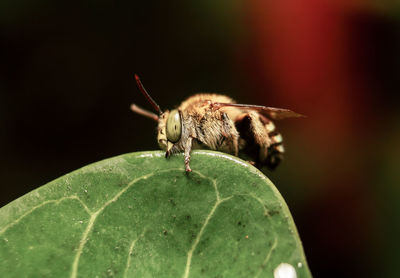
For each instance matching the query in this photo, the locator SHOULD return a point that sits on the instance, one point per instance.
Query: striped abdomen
(275, 149)
(260, 140)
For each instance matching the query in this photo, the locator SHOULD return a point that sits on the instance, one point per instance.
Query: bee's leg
(230, 135)
(188, 148)
(253, 131)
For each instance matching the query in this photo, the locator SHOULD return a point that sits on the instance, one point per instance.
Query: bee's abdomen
(275, 150)
(261, 142)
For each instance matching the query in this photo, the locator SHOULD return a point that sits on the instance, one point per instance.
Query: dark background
(66, 83)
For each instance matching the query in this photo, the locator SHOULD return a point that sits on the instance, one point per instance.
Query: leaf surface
(141, 215)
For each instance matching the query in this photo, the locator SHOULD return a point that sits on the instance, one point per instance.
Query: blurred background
(66, 83)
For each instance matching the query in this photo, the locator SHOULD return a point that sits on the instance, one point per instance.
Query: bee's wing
(270, 112)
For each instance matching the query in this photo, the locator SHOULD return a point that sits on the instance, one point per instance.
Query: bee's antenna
(144, 112)
(147, 96)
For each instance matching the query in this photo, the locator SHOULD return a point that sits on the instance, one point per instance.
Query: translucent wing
(270, 112)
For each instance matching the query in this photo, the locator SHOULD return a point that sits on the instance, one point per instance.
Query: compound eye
(174, 126)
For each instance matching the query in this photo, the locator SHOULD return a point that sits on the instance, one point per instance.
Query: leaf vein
(128, 262)
(2, 231)
(93, 217)
(274, 244)
(209, 216)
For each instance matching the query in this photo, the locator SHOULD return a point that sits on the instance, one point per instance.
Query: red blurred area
(303, 51)
(307, 54)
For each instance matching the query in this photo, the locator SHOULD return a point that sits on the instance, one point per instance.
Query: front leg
(188, 148)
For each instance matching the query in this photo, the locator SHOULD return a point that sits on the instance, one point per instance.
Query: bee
(216, 122)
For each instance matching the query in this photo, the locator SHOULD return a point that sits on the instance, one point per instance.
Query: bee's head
(169, 129)
(169, 122)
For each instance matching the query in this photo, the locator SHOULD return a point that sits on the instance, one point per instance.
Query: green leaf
(141, 215)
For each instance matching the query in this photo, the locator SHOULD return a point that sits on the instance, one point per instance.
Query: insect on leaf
(141, 215)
